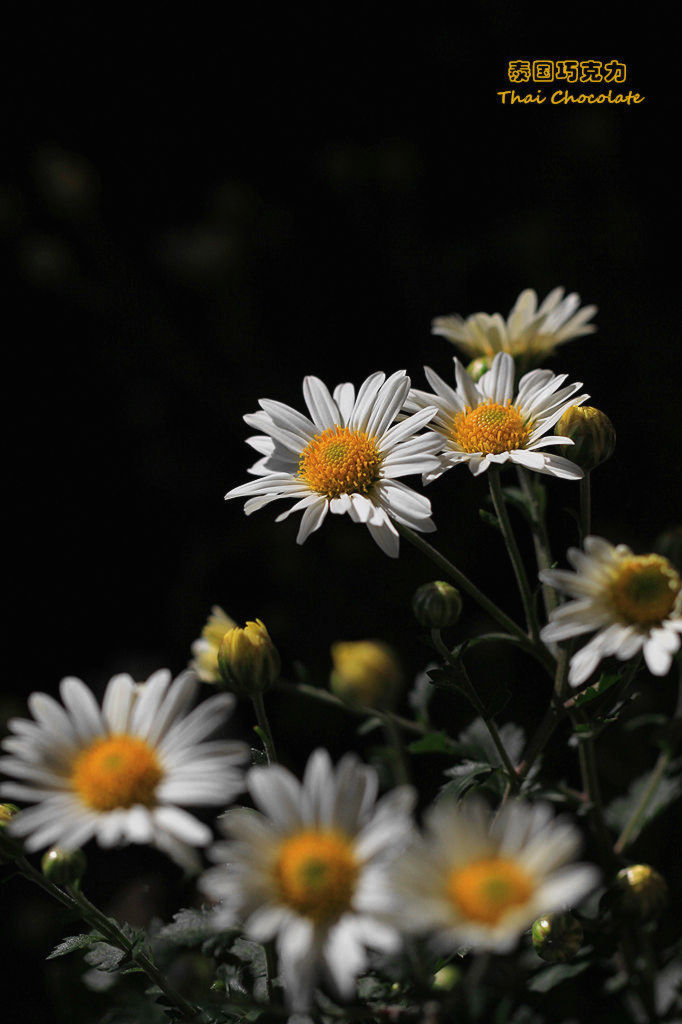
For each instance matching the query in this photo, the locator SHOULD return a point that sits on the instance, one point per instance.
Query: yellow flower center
(486, 889)
(644, 589)
(116, 771)
(315, 873)
(490, 428)
(340, 461)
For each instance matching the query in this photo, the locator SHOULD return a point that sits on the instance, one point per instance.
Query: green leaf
(105, 957)
(465, 776)
(74, 942)
(432, 743)
(475, 743)
(189, 927)
(549, 977)
(604, 683)
(620, 810)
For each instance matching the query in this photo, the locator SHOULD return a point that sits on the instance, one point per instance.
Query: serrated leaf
(620, 810)
(432, 743)
(189, 927)
(466, 776)
(549, 977)
(74, 942)
(475, 743)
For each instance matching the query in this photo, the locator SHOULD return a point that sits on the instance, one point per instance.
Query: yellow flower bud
(10, 849)
(593, 435)
(557, 937)
(641, 892)
(248, 660)
(205, 649)
(366, 672)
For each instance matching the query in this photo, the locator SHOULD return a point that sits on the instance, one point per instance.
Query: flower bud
(63, 867)
(641, 892)
(593, 435)
(446, 978)
(557, 937)
(436, 605)
(669, 545)
(366, 672)
(477, 367)
(10, 849)
(248, 660)
(205, 649)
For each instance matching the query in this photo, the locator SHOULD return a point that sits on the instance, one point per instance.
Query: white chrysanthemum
(478, 882)
(486, 423)
(529, 331)
(345, 458)
(634, 601)
(309, 871)
(119, 772)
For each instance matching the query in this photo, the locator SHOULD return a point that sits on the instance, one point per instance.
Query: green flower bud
(477, 367)
(593, 435)
(436, 605)
(366, 672)
(10, 849)
(557, 937)
(63, 867)
(669, 544)
(446, 978)
(248, 660)
(641, 892)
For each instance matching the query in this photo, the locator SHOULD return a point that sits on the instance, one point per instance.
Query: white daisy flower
(308, 871)
(478, 882)
(529, 332)
(486, 423)
(345, 458)
(633, 601)
(118, 773)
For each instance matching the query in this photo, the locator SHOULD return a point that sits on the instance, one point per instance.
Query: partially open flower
(248, 660)
(205, 649)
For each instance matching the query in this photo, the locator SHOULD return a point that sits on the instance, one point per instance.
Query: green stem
(536, 649)
(360, 710)
(514, 553)
(664, 759)
(585, 506)
(74, 899)
(590, 778)
(543, 553)
(263, 727)
(392, 733)
(458, 665)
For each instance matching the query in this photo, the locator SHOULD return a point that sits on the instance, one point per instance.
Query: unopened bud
(366, 672)
(436, 605)
(248, 660)
(477, 367)
(641, 892)
(63, 867)
(593, 435)
(10, 849)
(557, 937)
(205, 649)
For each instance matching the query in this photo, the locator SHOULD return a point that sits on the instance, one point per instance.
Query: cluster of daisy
(323, 867)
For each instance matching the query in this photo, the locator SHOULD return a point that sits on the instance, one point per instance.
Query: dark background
(197, 216)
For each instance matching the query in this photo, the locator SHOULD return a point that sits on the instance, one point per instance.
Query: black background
(195, 216)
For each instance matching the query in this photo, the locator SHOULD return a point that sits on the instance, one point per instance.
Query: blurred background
(195, 218)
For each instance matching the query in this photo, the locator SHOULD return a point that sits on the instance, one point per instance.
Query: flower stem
(514, 553)
(360, 710)
(263, 727)
(536, 649)
(74, 899)
(585, 506)
(543, 553)
(400, 766)
(458, 665)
